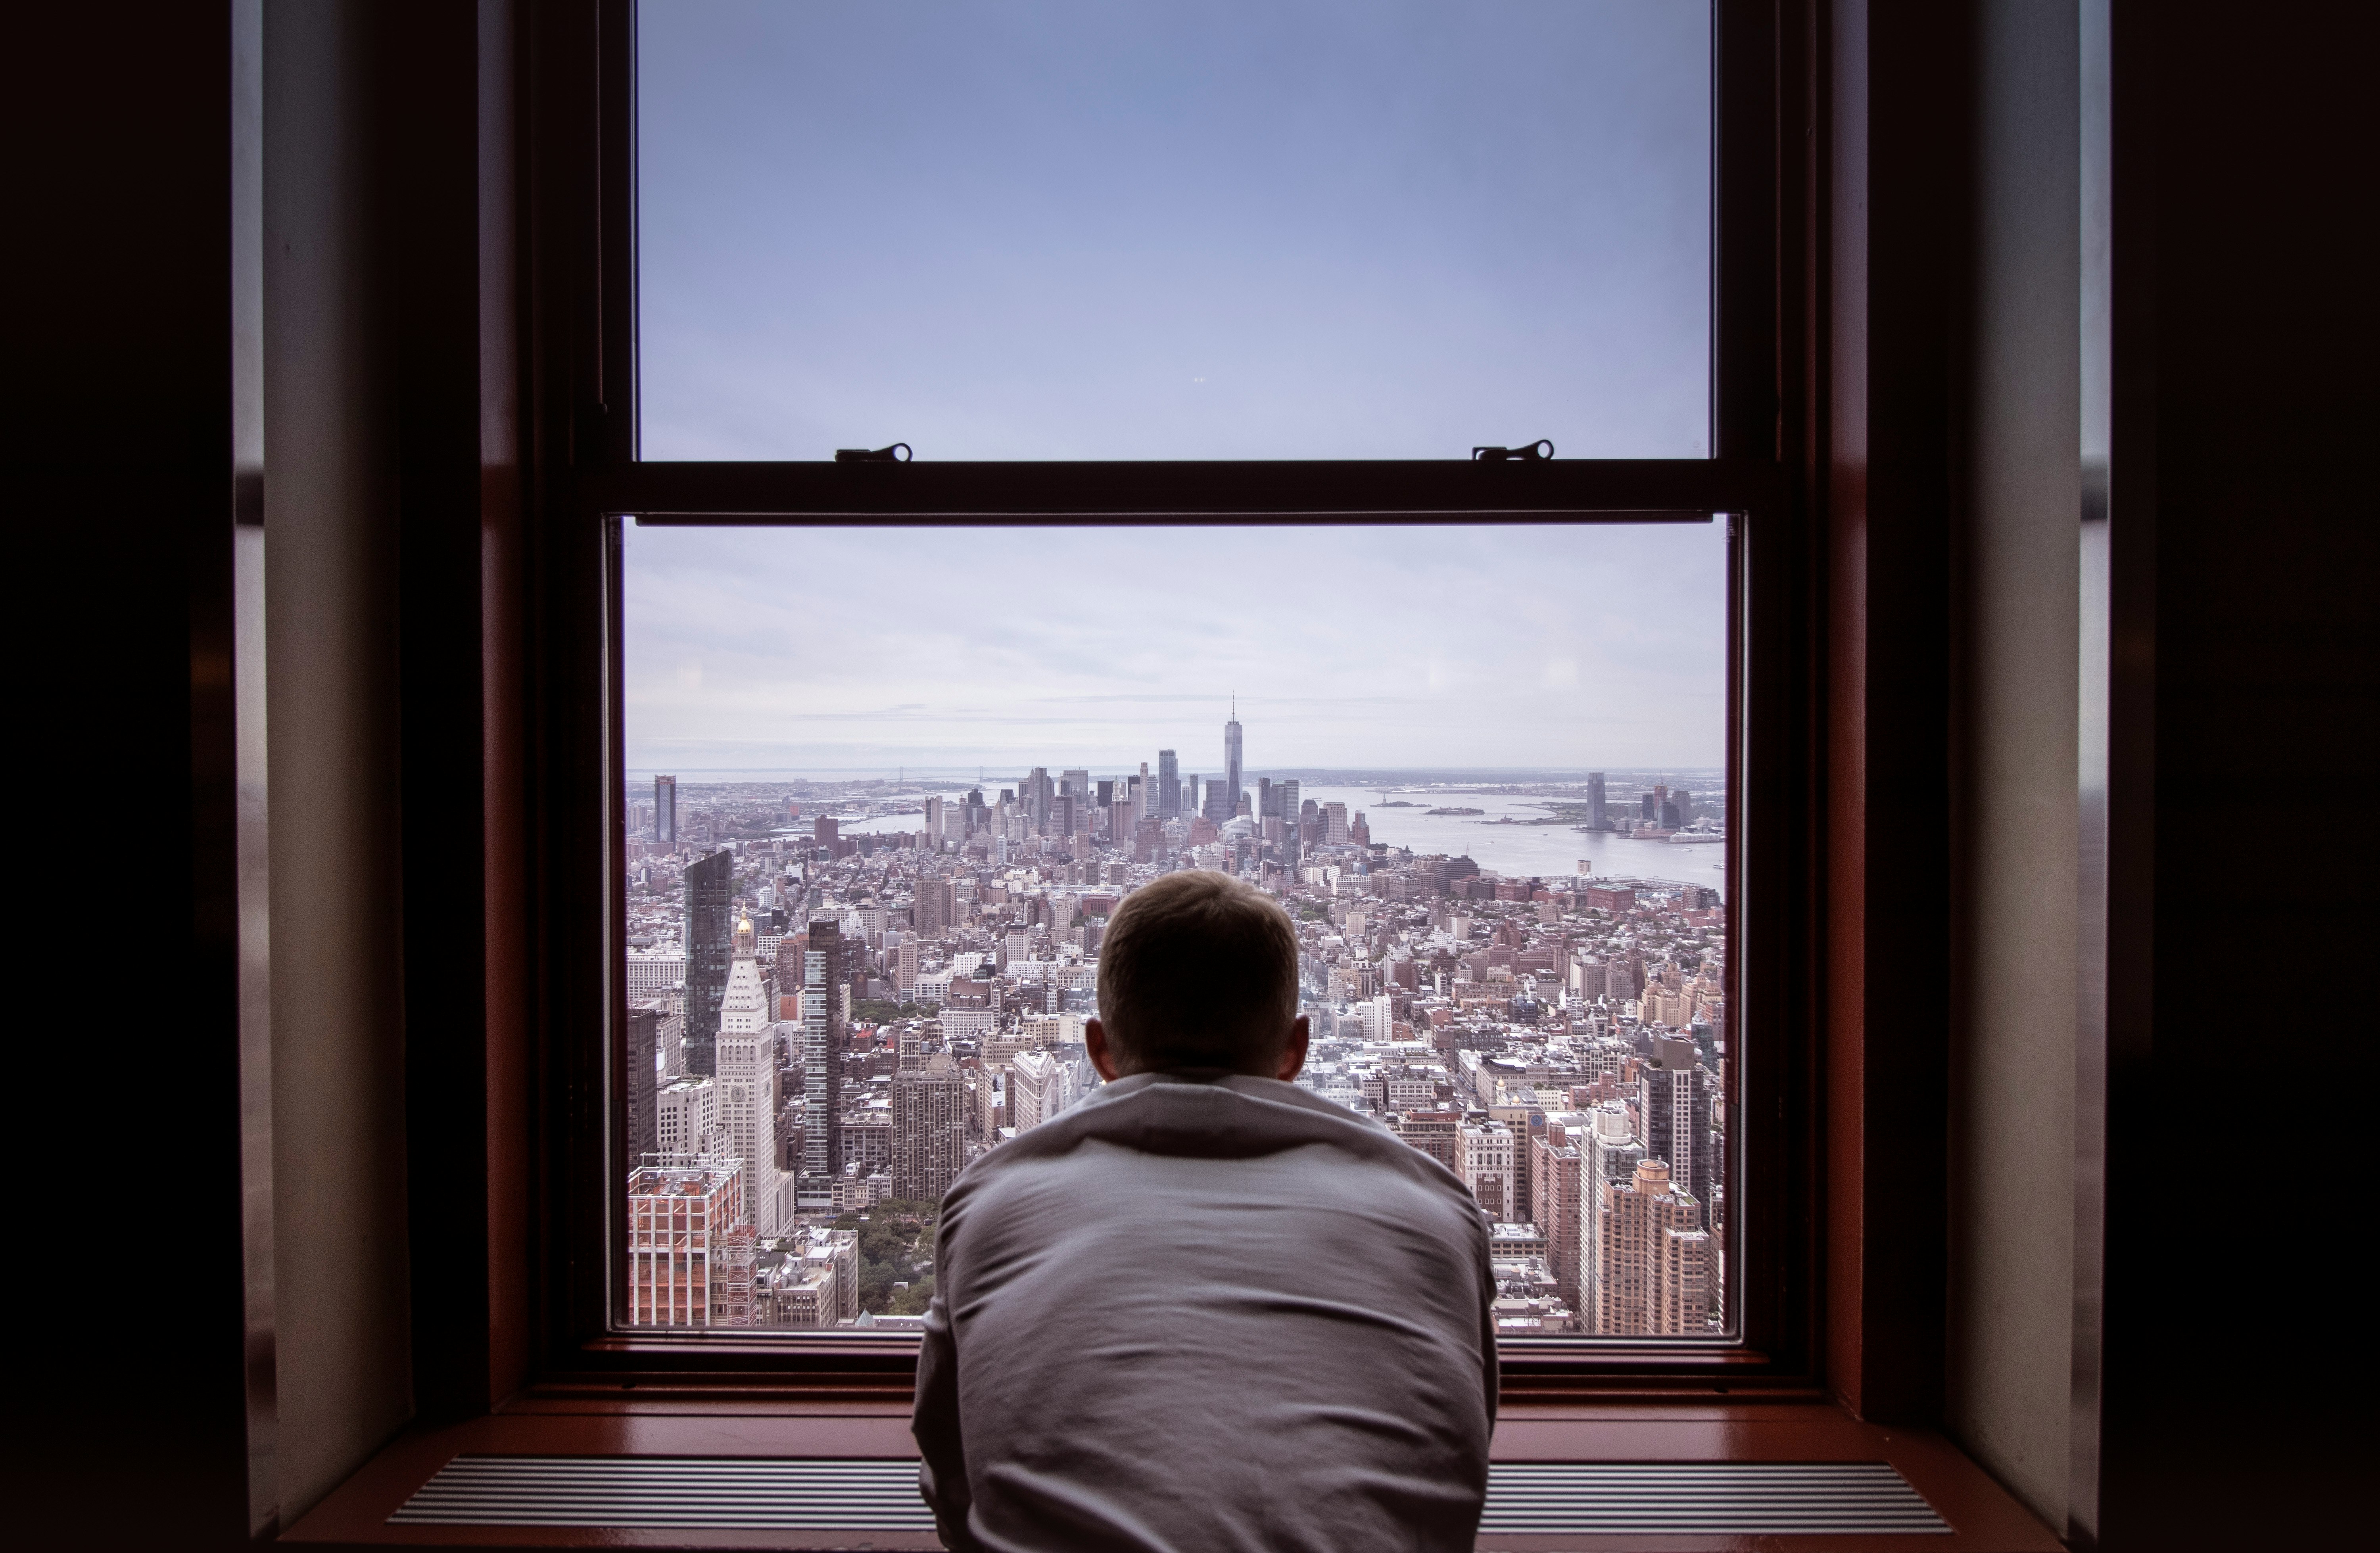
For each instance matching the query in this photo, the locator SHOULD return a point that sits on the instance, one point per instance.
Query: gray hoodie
(1205, 1311)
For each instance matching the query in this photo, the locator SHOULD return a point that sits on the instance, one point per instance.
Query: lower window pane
(883, 790)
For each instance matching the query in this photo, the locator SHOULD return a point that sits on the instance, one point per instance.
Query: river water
(1540, 851)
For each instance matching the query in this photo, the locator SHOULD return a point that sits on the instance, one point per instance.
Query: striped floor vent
(1684, 1498)
(1702, 1499)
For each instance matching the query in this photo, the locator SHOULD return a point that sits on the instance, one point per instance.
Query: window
(845, 922)
(913, 770)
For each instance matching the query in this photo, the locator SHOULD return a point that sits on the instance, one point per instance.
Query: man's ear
(1095, 1042)
(1292, 1050)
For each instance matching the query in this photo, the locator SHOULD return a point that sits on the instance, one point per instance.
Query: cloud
(1451, 646)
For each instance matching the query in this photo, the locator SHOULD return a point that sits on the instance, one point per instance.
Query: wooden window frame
(549, 1300)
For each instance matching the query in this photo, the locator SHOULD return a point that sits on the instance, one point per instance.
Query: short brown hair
(1197, 970)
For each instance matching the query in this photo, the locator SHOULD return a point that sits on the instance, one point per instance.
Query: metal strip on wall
(1682, 1498)
(2094, 688)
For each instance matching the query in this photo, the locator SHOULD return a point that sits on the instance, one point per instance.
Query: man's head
(1198, 970)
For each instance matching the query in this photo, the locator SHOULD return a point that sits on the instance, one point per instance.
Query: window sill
(695, 1372)
(1983, 1517)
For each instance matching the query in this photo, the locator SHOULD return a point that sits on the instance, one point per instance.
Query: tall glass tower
(708, 950)
(1232, 764)
(1169, 785)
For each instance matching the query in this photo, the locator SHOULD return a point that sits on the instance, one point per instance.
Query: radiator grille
(1563, 1499)
(1689, 1498)
(722, 1491)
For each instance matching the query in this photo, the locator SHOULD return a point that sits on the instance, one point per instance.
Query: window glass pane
(1228, 229)
(883, 789)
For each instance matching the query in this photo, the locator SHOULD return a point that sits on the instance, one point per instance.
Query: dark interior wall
(2242, 717)
(2227, 1420)
(136, 385)
(128, 1398)
(2015, 605)
(341, 1266)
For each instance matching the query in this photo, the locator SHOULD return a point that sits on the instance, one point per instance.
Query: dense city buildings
(840, 992)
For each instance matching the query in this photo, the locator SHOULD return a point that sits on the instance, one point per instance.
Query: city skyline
(1498, 647)
(1559, 1042)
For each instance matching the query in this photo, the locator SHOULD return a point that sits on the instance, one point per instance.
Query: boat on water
(1688, 838)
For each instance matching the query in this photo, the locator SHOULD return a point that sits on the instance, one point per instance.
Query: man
(1206, 1309)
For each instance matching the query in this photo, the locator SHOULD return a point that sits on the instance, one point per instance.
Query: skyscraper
(1656, 1258)
(747, 1080)
(930, 1117)
(707, 951)
(1553, 1195)
(1676, 1105)
(1036, 1089)
(643, 1078)
(680, 1211)
(1608, 1155)
(822, 1044)
(686, 1117)
(933, 907)
(1485, 1148)
(1595, 819)
(1169, 785)
(665, 810)
(1232, 765)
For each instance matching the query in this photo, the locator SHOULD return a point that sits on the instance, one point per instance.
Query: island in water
(1457, 811)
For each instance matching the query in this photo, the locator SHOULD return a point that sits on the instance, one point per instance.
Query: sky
(818, 650)
(1227, 229)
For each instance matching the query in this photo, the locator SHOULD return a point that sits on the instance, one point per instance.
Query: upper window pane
(1290, 229)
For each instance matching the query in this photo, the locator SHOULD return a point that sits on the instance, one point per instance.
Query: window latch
(1532, 452)
(897, 453)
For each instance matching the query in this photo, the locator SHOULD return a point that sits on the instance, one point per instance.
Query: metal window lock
(897, 453)
(1532, 452)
